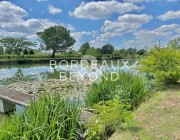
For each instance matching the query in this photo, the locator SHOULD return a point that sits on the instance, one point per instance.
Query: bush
(50, 118)
(164, 64)
(107, 116)
(130, 89)
(1, 50)
(31, 52)
(8, 50)
(25, 51)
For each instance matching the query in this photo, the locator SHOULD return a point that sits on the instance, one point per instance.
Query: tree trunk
(53, 54)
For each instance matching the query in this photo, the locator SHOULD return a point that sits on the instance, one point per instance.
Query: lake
(10, 74)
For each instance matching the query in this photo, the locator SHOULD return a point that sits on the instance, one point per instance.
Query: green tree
(25, 51)
(92, 51)
(83, 49)
(116, 54)
(98, 50)
(164, 64)
(107, 49)
(131, 51)
(141, 52)
(123, 51)
(71, 51)
(8, 50)
(31, 52)
(175, 43)
(18, 44)
(56, 38)
(1, 50)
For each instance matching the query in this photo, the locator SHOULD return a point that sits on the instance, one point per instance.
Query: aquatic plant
(130, 89)
(50, 118)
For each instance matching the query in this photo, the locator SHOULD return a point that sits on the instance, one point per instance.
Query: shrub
(25, 51)
(31, 52)
(50, 118)
(8, 50)
(107, 116)
(1, 50)
(164, 64)
(130, 89)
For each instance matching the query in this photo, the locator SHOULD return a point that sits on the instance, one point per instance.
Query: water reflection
(17, 77)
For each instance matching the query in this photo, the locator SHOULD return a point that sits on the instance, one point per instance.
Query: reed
(130, 89)
(50, 118)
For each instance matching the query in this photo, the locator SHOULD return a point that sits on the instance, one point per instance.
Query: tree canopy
(175, 43)
(83, 49)
(107, 49)
(92, 51)
(16, 44)
(131, 51)
(56, 38)
(141, 51)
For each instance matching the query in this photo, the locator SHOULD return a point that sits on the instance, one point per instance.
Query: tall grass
(129, 88)
(51, 118)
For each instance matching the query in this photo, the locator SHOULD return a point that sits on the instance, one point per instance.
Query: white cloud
(138, 1)
(124, 24)
(4, 33)
(10, 12)
(170, 15)
(79, 35)
(70, 27)
(145, 38)
(13, 22)
(54, 10)
(103, 9)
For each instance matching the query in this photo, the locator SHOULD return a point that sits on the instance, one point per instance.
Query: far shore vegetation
(21, 50)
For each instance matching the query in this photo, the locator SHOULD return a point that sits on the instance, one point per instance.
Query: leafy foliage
(107, 49)
(8, 50)
(16, 44)
(92, 51)
(1, 50)
(175, 43)
(141, 52)
(51, 118)
(107, 116)
(56, 38)
(129, 88)
(83, 49)
(164, 64)
(31, 52)
(25, 51)
(131, 51)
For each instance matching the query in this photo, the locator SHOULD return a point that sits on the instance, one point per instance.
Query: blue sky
(122, 23)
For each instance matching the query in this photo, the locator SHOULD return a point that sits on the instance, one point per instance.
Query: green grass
(158, 118)
(130, 89)
(50, 118)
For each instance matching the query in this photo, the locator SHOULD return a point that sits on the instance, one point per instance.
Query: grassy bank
(158, 118)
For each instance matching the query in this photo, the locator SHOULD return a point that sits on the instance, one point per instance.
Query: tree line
(58, 39)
